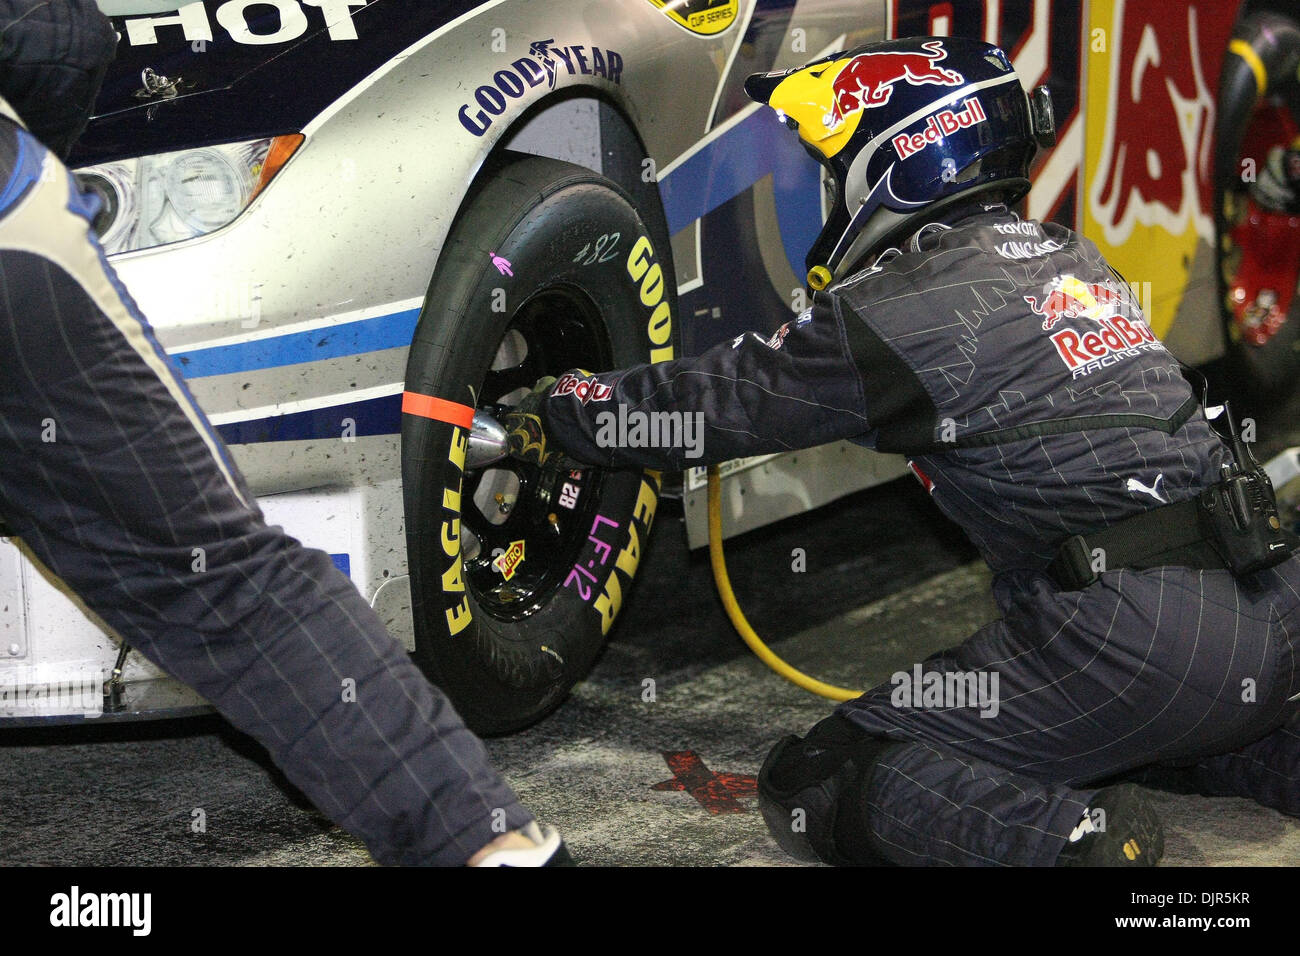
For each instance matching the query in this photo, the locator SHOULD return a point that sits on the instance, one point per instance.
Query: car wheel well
(591, 129)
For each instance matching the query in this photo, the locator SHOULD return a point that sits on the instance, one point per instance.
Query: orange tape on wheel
(439, 409)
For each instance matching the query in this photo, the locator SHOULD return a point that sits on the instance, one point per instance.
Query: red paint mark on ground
(715, 792)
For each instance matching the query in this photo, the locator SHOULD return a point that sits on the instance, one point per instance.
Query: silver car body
(300, 309)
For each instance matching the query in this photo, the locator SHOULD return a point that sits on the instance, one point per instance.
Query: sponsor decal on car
(702, 17)
(1149, 158)
(868, 80)
(541, 66)
(508, 561)
(938, 125)
(232, 16)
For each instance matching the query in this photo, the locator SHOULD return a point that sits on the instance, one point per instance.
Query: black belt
(1170, 534)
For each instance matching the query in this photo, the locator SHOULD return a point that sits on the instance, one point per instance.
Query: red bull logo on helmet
(938, 125)
(868, 80)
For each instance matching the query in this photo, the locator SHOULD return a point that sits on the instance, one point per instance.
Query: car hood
(171, 87)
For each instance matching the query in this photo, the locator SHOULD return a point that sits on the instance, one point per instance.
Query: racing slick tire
(517, 573)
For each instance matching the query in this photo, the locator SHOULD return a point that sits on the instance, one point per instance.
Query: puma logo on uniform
(1154, 491)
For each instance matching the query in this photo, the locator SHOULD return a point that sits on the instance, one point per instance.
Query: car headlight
(169, 197)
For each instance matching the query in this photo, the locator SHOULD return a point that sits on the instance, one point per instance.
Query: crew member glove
(525, 433)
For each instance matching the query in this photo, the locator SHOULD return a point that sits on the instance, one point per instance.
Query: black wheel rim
(549, 510)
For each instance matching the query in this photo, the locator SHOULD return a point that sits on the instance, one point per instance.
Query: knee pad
(811, 793)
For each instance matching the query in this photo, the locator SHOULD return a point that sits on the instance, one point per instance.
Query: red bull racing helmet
(907, 128)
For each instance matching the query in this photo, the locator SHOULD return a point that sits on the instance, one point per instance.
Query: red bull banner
(1152, 69)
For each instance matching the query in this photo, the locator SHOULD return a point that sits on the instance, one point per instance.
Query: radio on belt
(1239, 515)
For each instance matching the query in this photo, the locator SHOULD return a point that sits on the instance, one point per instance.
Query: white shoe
(548, 849)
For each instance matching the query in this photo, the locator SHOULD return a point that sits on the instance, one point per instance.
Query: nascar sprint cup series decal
(702, 17)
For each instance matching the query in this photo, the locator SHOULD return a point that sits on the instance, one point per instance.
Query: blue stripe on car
(351, 338)
(725, 167)
(755, 147)
(87, 205)
(375, 416)
(722, 169)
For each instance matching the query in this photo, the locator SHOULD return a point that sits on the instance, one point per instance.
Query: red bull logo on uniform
(584, 389)
(868, 79)
(938, 125)
(1117, 337)
(1068, 297)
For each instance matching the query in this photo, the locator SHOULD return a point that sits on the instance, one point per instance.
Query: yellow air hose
(747, 633)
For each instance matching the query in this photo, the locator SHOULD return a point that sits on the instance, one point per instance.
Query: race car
(349, 220)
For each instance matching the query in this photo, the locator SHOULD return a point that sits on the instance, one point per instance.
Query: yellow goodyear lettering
(661, 324)
(647, 499)
(630, 556)
(652, 287)
(453, 579)
(639, 258)
(459, 442)
(609, 602)
(611, 597)
(642, 268)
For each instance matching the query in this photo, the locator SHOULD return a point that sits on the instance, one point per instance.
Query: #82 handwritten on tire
(518, 572)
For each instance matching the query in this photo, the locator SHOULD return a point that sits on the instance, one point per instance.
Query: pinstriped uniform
(1166, 665)
(136, 480)
(1006, 360)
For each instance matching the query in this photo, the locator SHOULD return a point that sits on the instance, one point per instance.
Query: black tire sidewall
(536, 214)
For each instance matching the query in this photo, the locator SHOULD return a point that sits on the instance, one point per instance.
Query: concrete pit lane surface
(652, 759)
